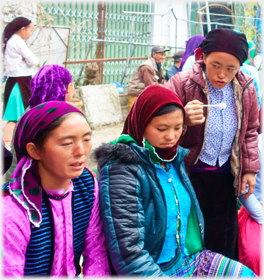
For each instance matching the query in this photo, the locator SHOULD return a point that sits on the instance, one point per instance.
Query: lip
(220, 83)
(168, 145)
(77, 165)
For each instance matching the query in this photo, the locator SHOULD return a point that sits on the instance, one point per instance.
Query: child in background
(19, 62)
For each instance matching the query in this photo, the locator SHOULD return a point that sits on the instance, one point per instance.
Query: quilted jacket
(192, 84)
(134, 211)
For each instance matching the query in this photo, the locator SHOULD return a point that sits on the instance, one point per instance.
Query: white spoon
(221, 106)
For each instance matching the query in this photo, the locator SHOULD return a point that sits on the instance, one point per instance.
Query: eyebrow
(72, 136)
(163, 124)
(216, 62)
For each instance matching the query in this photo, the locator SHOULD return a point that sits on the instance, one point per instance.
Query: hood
(119, 152)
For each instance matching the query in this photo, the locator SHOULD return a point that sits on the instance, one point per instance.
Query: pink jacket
(16, 236)
(192, 84)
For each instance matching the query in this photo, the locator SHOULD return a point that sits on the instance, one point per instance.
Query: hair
(168, 108)
(41, 138)
(13, 27)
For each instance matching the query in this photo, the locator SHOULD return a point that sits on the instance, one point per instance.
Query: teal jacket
(134, 210)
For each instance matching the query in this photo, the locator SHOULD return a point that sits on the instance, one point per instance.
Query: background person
(152, 220)
(223, 144)
(51, 82)
(51, 213)
(250, 222)
(148, 73)
(173, 69)
(19, 67)
(188, 56)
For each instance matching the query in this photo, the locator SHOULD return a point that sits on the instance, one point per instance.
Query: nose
(221, 74)
(170, 135)
(79, 150)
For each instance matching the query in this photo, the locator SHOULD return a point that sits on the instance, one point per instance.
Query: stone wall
(101, 104)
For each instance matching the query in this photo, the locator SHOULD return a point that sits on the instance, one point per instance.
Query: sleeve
(15, 237)
(146, 75)
(169, 73)
(250, 156)
(30, 59)
(252, 206)
(189, 63)
(123, 218)
(95, 262)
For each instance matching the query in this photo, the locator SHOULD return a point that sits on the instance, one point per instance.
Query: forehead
(73, 124)
(223, 58)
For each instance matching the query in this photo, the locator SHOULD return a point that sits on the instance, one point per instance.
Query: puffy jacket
(192, 84)
(134, 210)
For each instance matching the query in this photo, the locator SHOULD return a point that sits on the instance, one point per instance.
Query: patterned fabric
(25, 187)
(177, 215)
(48, 84)
(42, 242)
(221, 128)
(205, 264)
(17, 230)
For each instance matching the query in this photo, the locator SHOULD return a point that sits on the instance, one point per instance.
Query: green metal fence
(83, 19)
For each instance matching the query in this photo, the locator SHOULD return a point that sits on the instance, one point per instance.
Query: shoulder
(121, 153)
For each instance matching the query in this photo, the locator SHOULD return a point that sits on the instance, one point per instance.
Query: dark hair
(41, 137)
(13, 27)
(167, 109)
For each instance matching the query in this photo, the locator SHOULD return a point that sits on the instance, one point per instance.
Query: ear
(204, 58)
(33, 151)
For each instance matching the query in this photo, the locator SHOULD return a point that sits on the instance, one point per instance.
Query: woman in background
(19, 67)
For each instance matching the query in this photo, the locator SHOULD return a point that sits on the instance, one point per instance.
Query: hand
(194, 113)
(250, 179)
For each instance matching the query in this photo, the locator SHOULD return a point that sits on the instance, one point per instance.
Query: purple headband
(25, 185)
(49, 84)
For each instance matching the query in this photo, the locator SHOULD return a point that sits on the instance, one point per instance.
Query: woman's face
(66, 150)
(221, 68)
(25, 32)
(164, 131)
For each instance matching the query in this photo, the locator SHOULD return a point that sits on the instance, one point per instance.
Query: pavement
(103, 134)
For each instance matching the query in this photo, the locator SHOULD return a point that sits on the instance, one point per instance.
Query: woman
(188, 57)
(223, 144)
(52, 82)
(152, 220)
(19, 67)
(51, 205)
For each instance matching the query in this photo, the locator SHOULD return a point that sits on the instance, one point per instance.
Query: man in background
(172, 70)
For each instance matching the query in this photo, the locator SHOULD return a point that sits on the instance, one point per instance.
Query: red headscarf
(150, 100)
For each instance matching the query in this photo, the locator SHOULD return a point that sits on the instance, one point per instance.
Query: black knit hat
(226, 40)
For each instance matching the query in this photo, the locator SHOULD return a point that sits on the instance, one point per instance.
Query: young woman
(223, 144)
(52, 82)
(51, 210)
(19, 67)
(152, 220)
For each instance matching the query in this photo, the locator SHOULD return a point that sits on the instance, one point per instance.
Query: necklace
(57, 197)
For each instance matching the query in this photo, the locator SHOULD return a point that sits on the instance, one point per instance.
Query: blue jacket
(134, 210)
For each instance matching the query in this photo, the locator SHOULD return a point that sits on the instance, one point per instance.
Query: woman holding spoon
(223, 144)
